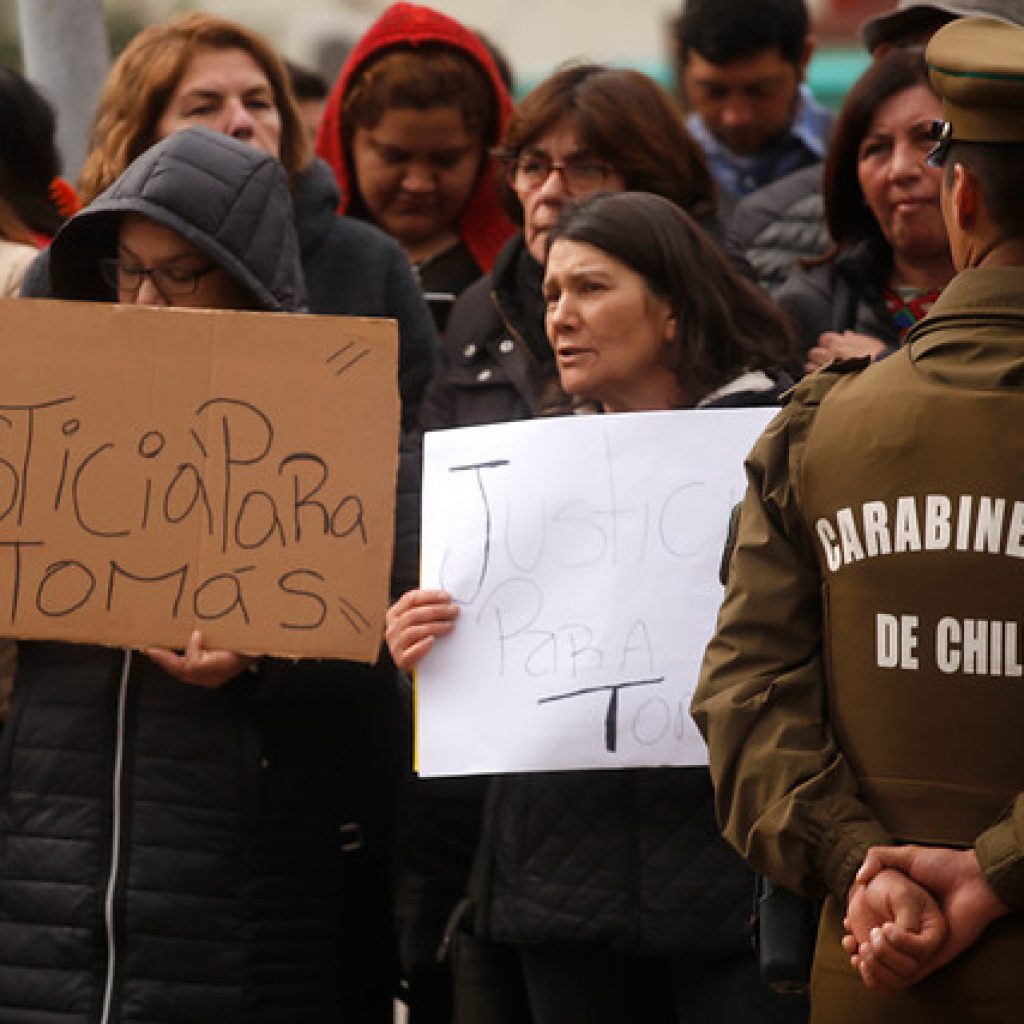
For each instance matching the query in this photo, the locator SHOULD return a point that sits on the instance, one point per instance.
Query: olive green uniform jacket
(789, 797)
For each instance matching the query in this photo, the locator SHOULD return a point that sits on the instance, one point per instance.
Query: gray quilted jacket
(228, 199)
(778, 225)
(170, 852)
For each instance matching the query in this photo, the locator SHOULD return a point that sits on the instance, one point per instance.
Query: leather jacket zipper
(635, 867)
(117, 778)
(517, 337)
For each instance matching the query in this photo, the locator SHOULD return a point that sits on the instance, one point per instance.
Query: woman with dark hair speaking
(890, 254)
(629, 906)
(585, 129)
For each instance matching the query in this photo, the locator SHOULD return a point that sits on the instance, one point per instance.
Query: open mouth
(908, 204)
(568, 353)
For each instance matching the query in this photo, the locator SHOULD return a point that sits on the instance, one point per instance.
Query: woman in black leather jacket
(566, 140)
(611, 893)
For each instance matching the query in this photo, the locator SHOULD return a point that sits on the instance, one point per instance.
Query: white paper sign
(584, 554)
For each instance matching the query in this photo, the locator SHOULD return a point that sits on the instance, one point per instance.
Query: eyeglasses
(168, 281)
(579, 173)
(941, 133)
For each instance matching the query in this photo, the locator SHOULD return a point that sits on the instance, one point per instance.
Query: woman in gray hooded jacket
(169, 851)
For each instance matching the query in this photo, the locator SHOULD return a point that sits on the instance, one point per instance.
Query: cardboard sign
(584, 555)
(169, 469)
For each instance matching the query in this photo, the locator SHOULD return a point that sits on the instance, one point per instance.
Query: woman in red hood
(408, 130)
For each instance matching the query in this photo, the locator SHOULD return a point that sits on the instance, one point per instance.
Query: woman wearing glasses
(168, 831)
(585, 129)
(199, 69)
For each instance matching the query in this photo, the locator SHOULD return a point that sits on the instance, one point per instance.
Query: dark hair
(421, 78)
(29, 160)
(726, 324)
(850, 222)
(997, 167)
(306, 83)
(625, 118)
(914, 29)
(726, 30)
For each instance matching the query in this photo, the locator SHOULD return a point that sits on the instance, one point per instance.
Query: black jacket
(169, 852)
(631, 860)
(494, 364)
(354, 269)
(842, 294)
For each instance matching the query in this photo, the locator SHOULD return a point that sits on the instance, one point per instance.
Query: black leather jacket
(840, 295)
(495, 364)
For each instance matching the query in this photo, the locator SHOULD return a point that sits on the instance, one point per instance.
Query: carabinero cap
(976, 66)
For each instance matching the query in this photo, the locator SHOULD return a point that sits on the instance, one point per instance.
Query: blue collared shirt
(805, 142)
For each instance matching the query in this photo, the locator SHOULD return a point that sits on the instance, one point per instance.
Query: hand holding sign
(199, 666)
(415, 621)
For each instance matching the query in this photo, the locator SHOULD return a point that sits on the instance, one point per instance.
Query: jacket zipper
(115, 841)
(634, 880)
(517, 337)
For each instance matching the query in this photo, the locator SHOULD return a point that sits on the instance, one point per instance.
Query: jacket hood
(483, 224)
(230, 200)
(315, 194)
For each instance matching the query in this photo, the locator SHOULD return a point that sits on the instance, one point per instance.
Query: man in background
(914, 22)
(785, 221)
(743, 65)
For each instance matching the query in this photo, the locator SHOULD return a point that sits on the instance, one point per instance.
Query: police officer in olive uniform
(864, 690)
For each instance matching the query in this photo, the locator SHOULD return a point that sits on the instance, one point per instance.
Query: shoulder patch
(815, 386)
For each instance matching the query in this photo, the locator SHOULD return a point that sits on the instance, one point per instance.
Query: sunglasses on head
(942, 135)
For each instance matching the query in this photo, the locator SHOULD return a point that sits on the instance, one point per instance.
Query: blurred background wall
(536, 35)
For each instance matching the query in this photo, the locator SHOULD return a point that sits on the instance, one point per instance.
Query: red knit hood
(483, 225)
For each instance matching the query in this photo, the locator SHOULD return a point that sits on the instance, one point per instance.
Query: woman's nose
(418, 177)
(148, 293)
(562, 313)
(240, 123)
(553, 186)
(907, 160)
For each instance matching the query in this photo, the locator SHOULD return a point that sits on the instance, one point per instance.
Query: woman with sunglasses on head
(168, 824)
(612, 892)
